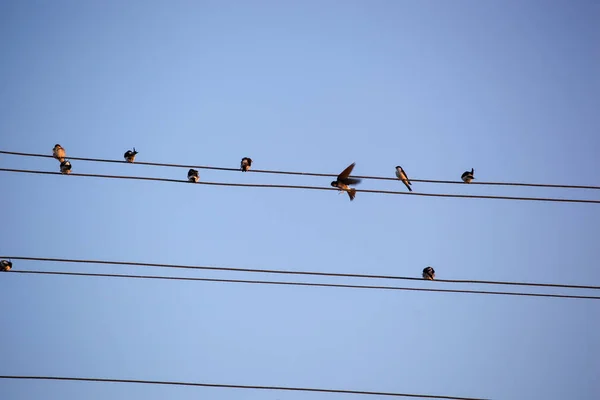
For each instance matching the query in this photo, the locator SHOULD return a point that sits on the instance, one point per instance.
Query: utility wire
(232, 386)
(333, 285)
(284, 272)
(383, 178)
(258, 185)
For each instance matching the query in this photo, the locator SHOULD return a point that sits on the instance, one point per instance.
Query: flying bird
(193, 175)
(65, 167)
(467, 176)
(400, 174)
(343, 181)
(59, 153)
(245, 164)
(130, 155)
(5, 265)
(429, 273)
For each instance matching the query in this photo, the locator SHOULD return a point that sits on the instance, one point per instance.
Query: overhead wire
(285, 283)
(260, 185)
(295, 272)
(560, 186)
(233, 386)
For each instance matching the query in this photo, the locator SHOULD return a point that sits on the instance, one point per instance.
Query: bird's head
(334, 183)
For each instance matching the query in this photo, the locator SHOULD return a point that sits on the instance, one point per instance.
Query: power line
(287, 272)
(333, 285)
(383, 178)
(260, 185)
(232, 386)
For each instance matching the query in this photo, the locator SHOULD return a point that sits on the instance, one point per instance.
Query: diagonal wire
(285, 272)
(232, 386)
(307, 173)
(258, 185)
(330, 285)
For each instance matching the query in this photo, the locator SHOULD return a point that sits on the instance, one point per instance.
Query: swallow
(193, 176)
(429, 273)
(5, 265)
(467, 176)
(65, 167)
(245, 164)
(400, 174)
(343, 181)
(59, 153)
(130, 155)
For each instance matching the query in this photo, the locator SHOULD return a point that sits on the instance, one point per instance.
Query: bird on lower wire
(400, 174)
(343, 181)
(193, 175)
(65, 167)
(5, 265)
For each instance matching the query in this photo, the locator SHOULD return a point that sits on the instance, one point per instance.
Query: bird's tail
(408, 186)
(352, 193)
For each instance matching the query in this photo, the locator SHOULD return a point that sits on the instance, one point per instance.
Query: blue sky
(510, 88)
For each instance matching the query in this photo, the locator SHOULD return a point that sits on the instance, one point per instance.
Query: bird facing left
(59, 153)
(343, 181)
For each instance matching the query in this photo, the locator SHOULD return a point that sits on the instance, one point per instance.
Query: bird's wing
(351, 181)
(345, 173)
(406, 176)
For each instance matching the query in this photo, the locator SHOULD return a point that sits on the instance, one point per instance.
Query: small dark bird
(245, 164)
(193, 175)
(400, 174)
(467, 176)
(429, 273)
(5, 265)
(343, 181)
(130, 155)
(65, 167)
(59, 153)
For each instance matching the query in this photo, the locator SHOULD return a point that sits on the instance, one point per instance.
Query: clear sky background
(510, 88)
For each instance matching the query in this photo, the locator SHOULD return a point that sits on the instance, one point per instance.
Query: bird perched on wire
(245, 164)
(130, 155)
(59, 153)
(5, 265)
(193, 175)
(429, 273)
(400, 174)
(65, 167)
(467, 176)
(343, 181)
